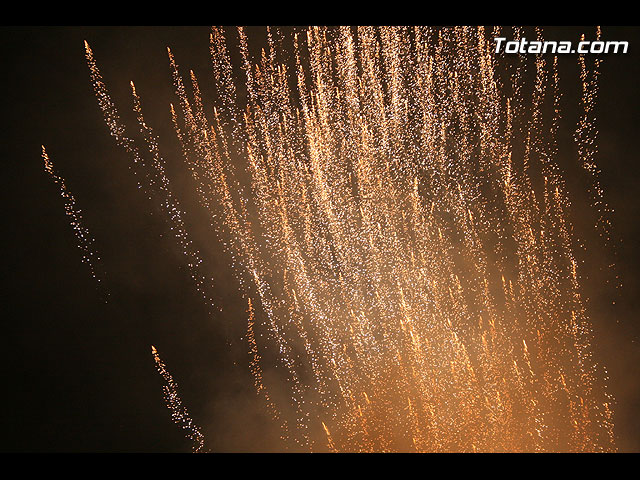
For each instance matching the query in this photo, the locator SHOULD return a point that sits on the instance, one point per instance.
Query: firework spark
(406, 229)
(84, 239)
(149, 165)
(179, 412)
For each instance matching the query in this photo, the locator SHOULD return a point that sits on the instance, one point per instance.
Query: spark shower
(395, 207)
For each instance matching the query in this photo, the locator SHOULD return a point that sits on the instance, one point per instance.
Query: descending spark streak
(586, 141)
(407, 231)
(179, 412)
(256, 371)
(82, 234)
(156, 181)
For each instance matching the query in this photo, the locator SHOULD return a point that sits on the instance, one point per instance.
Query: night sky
(77, 374)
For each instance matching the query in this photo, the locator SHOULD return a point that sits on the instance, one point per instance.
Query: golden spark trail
(256, 371)
(391, 197)
(179, 412)
(586, 141)
(155, 181)
(83, 236)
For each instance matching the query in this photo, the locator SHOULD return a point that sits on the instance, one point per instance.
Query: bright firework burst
(406, 229)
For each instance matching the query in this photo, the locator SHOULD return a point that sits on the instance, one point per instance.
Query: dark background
(77, 374)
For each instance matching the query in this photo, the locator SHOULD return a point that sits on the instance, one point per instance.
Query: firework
(179, 412)
(149, 165)
(84, 239)
(406, 229)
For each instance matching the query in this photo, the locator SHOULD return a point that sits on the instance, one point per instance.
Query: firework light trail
(179, 412)
(150, 167)
(405, 233)
(83, 237)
